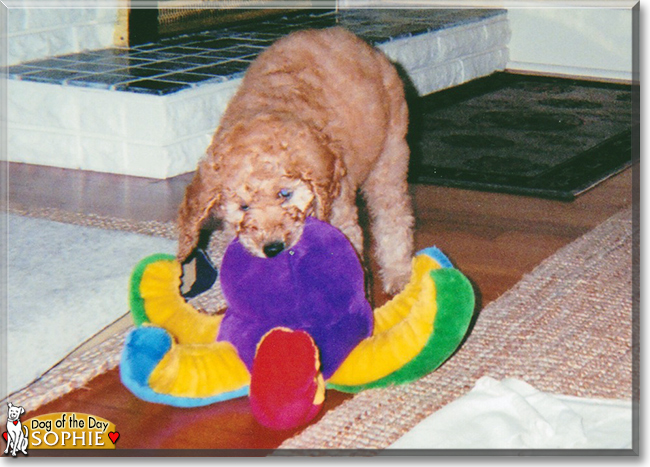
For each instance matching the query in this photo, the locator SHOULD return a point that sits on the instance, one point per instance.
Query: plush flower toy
(295, 325)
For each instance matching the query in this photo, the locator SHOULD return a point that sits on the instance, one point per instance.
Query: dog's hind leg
(24, 440)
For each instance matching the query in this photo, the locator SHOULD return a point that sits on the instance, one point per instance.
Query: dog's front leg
(345, 217)
(13, 439)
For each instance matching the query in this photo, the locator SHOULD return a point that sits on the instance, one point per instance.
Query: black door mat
(529, 135)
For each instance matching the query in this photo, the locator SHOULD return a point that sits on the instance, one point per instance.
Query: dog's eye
(285, 194)
(244, 207)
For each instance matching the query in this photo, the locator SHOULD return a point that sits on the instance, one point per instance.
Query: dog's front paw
(395, 282)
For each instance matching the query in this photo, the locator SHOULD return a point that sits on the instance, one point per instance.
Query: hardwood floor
(493, 238)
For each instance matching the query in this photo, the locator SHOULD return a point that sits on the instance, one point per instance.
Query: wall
(592, 42)
(34, 31)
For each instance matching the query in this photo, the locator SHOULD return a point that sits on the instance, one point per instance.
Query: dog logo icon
(15, 437)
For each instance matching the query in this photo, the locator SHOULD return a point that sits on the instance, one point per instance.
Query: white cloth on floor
(511, 414)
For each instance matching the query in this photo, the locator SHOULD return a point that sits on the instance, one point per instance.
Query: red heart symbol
(15, 422)
(4, 435)
(113, 436)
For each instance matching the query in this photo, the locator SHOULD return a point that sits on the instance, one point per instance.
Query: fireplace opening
(168, 18)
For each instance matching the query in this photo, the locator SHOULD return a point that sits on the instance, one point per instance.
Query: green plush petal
(136, 302)
(455, 300)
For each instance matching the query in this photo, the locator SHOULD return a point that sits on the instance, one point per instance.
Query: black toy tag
(199, 274)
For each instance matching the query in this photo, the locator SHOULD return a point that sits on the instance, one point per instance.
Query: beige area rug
(565, 328)
(101, 352)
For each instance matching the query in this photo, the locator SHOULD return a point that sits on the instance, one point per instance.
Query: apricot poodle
(318, 116)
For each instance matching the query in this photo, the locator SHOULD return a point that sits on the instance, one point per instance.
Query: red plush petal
(285, 392)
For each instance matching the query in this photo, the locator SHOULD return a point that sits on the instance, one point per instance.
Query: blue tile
(99, 80)
(151, 86)
(122, 61)
(188, 78)
(81, 57)
(49, 63)
(146, 47)
(222, 69)
(258, 39)
(90, 67)
(235, 52)
(110, 53)
(181, 40)
(140, 72)
(16, 71)
(168, 65)
(51, 76)
(180, 51)
(155, 55)
(210, 43)
(199, 60)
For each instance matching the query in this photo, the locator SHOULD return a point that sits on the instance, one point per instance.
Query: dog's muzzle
(273, 249)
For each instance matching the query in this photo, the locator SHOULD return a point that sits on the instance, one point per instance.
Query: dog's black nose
(273, 249)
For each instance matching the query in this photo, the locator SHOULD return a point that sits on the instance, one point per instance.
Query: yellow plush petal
(165, 307)
(319, 398)
(408, 323)
(401, 305)
(199, 370)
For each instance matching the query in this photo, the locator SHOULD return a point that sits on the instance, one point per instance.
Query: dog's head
(263, 177)
(14, 412)
(267, 214)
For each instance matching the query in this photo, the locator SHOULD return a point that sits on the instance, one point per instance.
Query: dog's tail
(26, 432)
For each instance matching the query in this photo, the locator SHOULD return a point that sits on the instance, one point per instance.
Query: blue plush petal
(143, 350)
(437, 255)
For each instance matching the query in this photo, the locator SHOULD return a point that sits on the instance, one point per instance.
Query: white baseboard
(572, 72)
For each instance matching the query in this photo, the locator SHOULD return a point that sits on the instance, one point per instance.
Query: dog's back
(323, 112)
(334, 81)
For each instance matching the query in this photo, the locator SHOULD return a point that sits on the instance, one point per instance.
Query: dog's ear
(328, 188)
(201, 196)
(323, 174)
(9, 404)
(22, 411)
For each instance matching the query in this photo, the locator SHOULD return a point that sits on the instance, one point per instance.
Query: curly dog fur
(319, 116)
